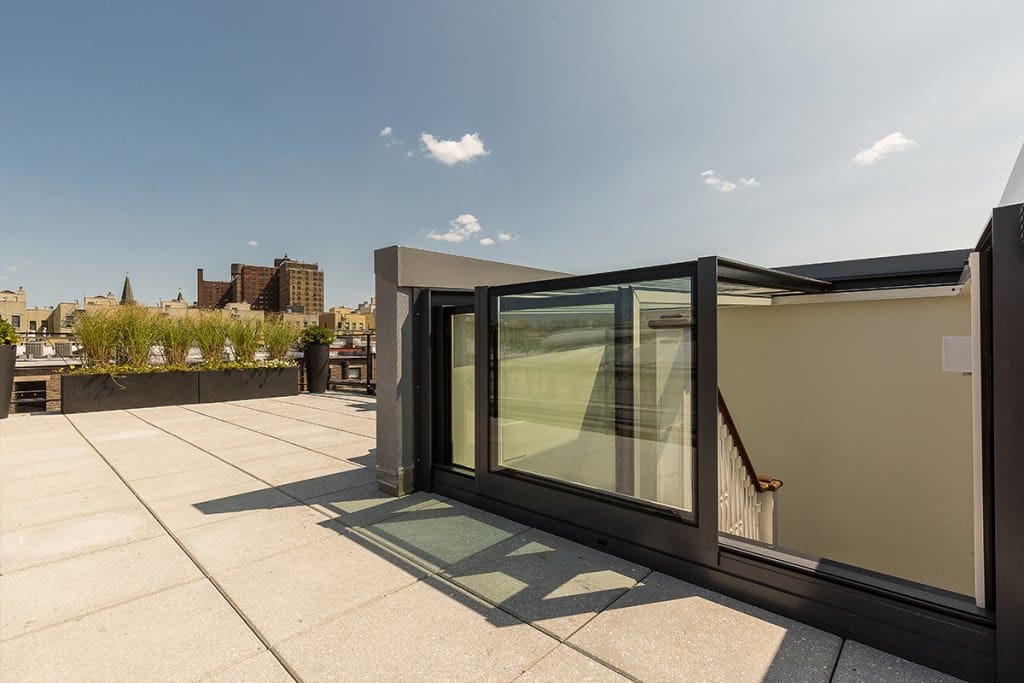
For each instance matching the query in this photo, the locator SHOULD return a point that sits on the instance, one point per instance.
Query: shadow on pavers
(525, 578)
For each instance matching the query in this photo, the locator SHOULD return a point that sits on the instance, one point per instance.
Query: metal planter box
(88, 393)
(237, 385)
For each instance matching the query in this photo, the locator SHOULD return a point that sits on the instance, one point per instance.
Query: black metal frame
(604, 513)
(1004, 241)
(910, 620)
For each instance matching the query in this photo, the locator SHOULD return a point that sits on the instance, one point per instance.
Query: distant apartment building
(345, 320)
(287, 286)
(27, 319)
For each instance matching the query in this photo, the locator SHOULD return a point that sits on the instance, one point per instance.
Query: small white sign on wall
(956, 354)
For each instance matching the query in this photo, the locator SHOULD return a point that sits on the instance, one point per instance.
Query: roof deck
(248, 541)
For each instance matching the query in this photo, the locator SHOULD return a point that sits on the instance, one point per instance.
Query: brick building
(288, 285)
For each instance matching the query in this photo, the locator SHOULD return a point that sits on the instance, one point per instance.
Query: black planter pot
(87, 393)
(7, 353)
(238, 385)
(318, 369)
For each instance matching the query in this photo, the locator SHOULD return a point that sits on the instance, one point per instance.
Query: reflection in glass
(463, 391)
(594, 388)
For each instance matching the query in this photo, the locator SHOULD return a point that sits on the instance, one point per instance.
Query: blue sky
(160, 137)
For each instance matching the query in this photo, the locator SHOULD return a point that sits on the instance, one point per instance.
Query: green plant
(8, 335)
(136, 333)
(245, 334)
(98, 336)
(316, 334)
(279, 336)
(175, 335)
(210, 331)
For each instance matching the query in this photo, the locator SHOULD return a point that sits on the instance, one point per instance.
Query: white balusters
(743, 508)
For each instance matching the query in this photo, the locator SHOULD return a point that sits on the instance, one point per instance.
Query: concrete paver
(274, 504)
(430, 630)
(565, 664)
(60, 506)
(366, 504)
(859, 663)
(178, 634)
(440, 535)
(216, 475)
(665, 628)
(218, 504)
(550, 582)
(33, 545)
(293, 591)
(51, 593)
(221, 546)
(55, 484)
(263, 668)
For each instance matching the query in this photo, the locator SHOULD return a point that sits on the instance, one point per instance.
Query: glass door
(591, 393)
(450, 340)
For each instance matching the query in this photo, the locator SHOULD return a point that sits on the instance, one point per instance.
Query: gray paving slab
(225, 545)
(216, 505)
(179, 634)
(441, 535)
(34, 545)
(859, 663)
(366, 504)
(667, 629)
(30, 450)
(166, 455)
(239, 455)
(309, 475)
(216, 475)
(32, 468)
(430, 630)
(547, 581)
(263, 668)
(56, 484)
(51, 593)
(31, 423)
(565, 664)
(43, 509)
(295, 590)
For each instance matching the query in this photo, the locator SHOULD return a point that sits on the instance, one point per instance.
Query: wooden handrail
(760, 482)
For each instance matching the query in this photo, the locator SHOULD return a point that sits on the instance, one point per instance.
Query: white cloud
(409, 154)
(253, 243)
(487, 242)
(890, 144)
(451, 152)
(712, 178)
(14, 267)
(504, 237)
(385, 132)
(460, 229)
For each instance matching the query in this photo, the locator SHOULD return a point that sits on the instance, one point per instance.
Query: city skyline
(155, 139)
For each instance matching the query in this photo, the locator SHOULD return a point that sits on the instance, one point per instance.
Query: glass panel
(849, 404)
(594, 388)
(463, 391)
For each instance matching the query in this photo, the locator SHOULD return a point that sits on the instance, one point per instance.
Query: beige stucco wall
(847, 403)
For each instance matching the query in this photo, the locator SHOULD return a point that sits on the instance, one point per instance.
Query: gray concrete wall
(398, 270)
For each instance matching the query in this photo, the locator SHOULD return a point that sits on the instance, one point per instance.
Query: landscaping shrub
(8, 335)
(175, 335)
(279, 336)
(98, 337)
(245, 334)
(210, 330)
(317, 334)
(136, 334)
